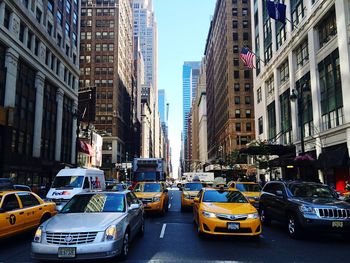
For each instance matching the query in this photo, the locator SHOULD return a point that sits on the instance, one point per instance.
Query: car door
(139, 212)
(32, 209)
(132, 214)
(12, 217)
(267, 199)
(280, 202)
(196, 204)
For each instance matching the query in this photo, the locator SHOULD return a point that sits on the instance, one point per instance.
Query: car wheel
(142, 228)
(293, 227)
(263, 217)
(125, 248)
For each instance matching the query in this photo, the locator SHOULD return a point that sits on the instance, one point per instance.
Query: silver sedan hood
(82, 222)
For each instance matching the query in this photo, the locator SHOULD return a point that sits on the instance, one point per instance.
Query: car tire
(265, 220)
(293, 226)
(125, 248)
(142, 228)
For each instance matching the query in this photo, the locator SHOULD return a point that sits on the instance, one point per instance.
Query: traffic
(81, 218)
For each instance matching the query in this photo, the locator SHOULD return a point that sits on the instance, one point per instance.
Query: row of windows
(238, 127)
(235, 36)
(99, 12)
(247, 100)
(236, 74)
(248, 114)
(236, 87)
(244, 11)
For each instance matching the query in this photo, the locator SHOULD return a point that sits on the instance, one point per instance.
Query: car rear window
(248, 187)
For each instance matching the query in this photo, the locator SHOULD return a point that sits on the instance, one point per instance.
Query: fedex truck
(204, 177)
(148, 169)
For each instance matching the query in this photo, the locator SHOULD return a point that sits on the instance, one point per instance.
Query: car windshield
(248, 187)
(68, 181)
(147, 188)
(95, 203)
(309, 190)
(215, 196)
(193, 186)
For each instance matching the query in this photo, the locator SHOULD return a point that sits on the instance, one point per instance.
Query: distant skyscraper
(190, 74)
(162, 105)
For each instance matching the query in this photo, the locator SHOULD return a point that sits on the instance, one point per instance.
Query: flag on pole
(276, 10)
(247, 57)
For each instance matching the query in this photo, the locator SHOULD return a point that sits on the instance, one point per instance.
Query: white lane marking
(163, 231)
(169, 206)
(171, 198)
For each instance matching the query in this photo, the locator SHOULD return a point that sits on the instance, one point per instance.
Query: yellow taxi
(225, 211)
(153, 195)
(21, 211)
(189, 192)
(251, 190)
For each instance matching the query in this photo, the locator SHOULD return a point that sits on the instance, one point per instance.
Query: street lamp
(299, 97)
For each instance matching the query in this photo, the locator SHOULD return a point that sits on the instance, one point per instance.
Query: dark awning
(269, 149)
(334, 158)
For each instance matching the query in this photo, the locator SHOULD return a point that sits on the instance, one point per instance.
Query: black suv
(304, 206)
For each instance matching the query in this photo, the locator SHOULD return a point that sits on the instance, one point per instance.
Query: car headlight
(37, 236)
(307, 209)
(111, 233)
(253, 216)
(156, 199)
(208, 214)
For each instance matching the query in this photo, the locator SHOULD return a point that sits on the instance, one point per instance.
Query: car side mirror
(196, 200)
(165, 190)
(279, 193)
(134, 206)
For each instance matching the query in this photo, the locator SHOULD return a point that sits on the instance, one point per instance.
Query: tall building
(106, 62)
(39, 72)
(190, 74)
(229, 92)
(309, 59)
(145, 28)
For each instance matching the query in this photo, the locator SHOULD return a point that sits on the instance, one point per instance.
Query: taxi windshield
(193, 186)
(215, 196)
(68, 182)
(150, 188)
(95, 203)
(248, 187)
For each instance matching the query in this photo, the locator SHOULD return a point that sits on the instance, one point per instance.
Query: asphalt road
(173, 238)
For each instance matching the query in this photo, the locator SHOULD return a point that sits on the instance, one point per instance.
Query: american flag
(247, 57)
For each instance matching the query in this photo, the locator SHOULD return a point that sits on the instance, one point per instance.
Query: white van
(69, 182)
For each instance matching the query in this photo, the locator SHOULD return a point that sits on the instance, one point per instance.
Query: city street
(173, 238)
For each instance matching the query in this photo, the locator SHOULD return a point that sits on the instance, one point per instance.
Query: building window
(236, 74)
(306, 104)
(234, 12)
(236, 86)
(235, 36)
(238, 113)
(67, 129)
(284, 72)
(238, 126)
(48, 134)
(38, 15)
(247, 100)
(271, 117)
(331, 91)
(247, 74)
(245, 23)
(68, 7)
(59, 40)
(248, 114)
(29, 39)
(248, 127)
(235, 49)
(7, 16)
(50, 5)
(268, 53)
(21, 32)
(59, 18)
(327, 28)
(281, 35)
(236, 62)
(258, 95)
(270, 86)
(297, 11)
(302, 54)
(234, 24)
(244, 11)
(247, 87)
(24, 110)
(67, 29)
(237, 100)
(245, 36)
(75, 39)
(260, 125)
(285, 121)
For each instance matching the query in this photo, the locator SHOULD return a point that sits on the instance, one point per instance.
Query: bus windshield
(148, 176)
(68, 182)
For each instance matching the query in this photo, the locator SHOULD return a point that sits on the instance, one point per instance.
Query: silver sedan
(91, 226)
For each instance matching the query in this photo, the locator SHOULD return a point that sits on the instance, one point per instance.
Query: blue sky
(183, 27)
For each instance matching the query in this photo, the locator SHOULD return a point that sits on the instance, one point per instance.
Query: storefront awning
(334, 158)
(269, 149)
(84, 147)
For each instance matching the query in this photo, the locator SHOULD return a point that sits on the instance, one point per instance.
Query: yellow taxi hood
(229, 208)
(147, 194)
(251, 194)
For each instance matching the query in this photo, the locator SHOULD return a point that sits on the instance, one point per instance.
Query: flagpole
(258, 57)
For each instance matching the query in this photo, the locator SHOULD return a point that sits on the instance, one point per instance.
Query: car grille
(333, 213)
(225, 230)
(231, 217)
(70, 238)
(146, 200)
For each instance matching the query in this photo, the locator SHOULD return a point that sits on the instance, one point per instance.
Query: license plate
(66, 252)
(232, 226)
(337, 224)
